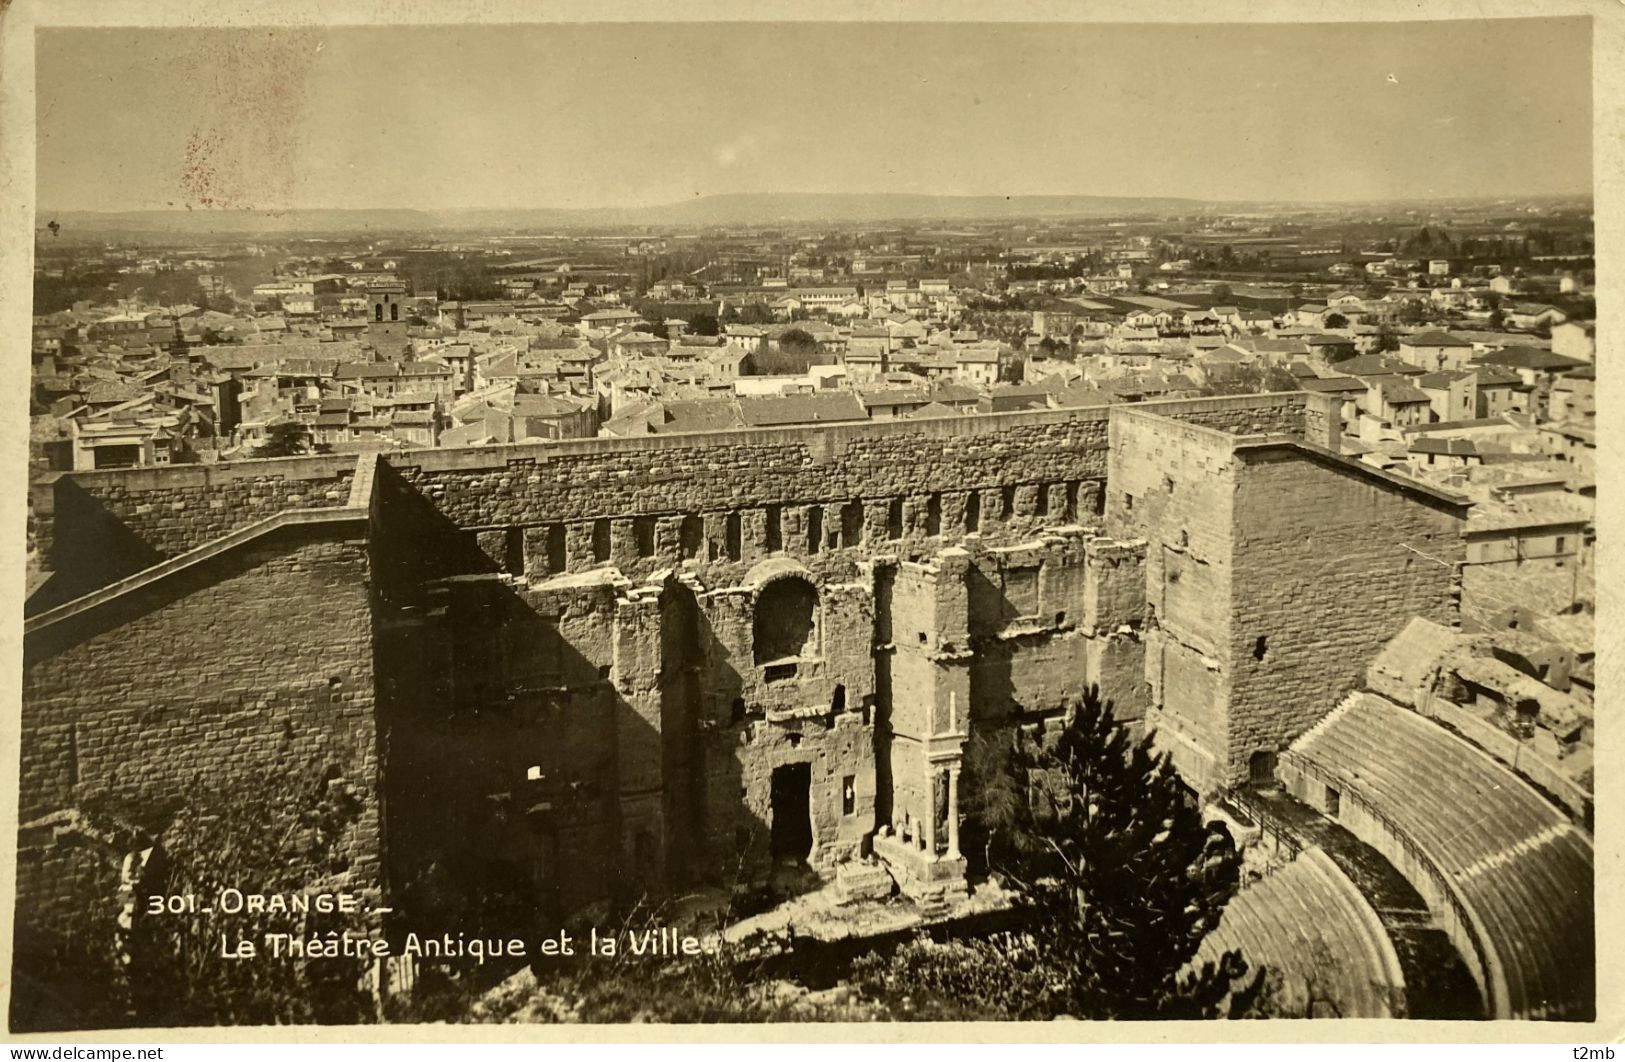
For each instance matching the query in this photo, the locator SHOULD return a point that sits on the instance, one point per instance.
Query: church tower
(387, 318)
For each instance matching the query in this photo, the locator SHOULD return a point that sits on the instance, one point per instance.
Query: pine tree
(1131, 878)
(998, 827)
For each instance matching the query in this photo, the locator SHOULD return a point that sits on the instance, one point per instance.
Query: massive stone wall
(827, 496)
(714, 472)
(584, 738)
(184, 707)
(196, 688)
(1331, 561)
(650, 502)
(507, 748)
(570, 681)
(1274, 572)
(631, 732)
(1170, 486)
(176, 508)
(95, 527)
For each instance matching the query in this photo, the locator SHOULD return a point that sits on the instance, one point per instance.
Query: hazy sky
(641, 114)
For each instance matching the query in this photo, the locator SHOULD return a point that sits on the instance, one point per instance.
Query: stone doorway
(1261, 769)
(792, 811)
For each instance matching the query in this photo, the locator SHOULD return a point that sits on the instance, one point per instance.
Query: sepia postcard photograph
(749, 520)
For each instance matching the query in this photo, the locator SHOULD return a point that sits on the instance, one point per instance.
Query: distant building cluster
(328, 362)
(345, 362)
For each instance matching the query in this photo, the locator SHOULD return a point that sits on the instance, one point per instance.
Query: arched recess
(786, 622)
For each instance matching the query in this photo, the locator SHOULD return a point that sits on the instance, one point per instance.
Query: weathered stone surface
(1272, 576)
(858, 881)
(547, 661)
(196, 694)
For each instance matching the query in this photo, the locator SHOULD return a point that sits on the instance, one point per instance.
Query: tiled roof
(1521, 357)
(1334, 385)
(228, 358)
(1528, 511)
(893, 396)
(801, 409)
(1267, 345)
(105, 393)
(1450, 447)
(1494, 376)
(954, 392)
(1406, 662)
(1397, 392)
(546, 406)
(1376, 364)
(307, 366)
(702, 414)
(1433, 339)
(425, 368)
(367, 370)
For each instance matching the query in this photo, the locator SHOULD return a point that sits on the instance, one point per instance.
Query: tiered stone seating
(1515, 862)
(1323, 947)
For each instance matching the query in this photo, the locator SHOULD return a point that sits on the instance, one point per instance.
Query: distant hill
(749, 209)
(248, 222)
(711, 210)
(746, 209)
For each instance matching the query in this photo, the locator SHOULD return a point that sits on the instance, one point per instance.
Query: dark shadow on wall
(127, 607)
(412, 543)
(459, 659)
(91, 548)
(499, 817)
(682, 706)
(782, 627)
(521, 785)
(994, 718)
(992, 687)
(885, 579)
(991, 608)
